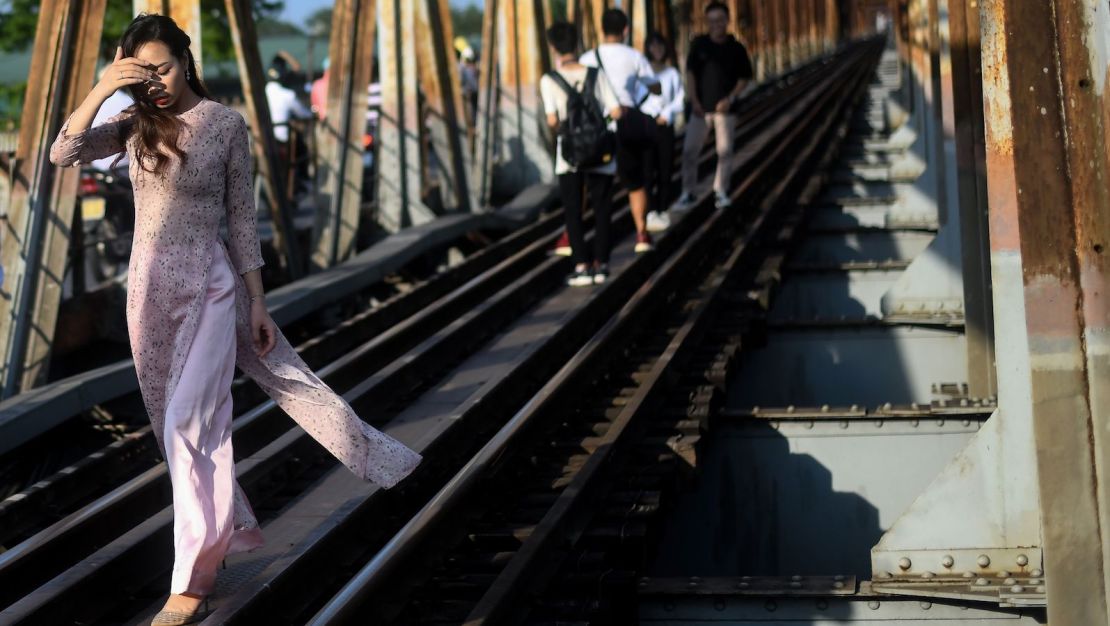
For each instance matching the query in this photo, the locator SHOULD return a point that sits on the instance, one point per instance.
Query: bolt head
(743, 585)
(1040, 589)
(947, 561)
(1036, 573)
(1017, 589)
(1022, 560)
(982, 582)
(873, 605)
(795, 578)
(795, 585)
(928, 575)
(926, 605)
(983, 560)
(968, 575)
(1009, 581)
(838, 585)
(904, 563)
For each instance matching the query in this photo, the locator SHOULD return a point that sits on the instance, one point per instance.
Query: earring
(187, 76)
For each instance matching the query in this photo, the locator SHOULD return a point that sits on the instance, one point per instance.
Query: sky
(297, 11)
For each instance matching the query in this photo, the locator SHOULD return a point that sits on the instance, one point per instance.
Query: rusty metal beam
(1045, 74)
(245, 40)
(512, 150)
(400, 127)
(439, 80)
(340, 138)
(36, 227)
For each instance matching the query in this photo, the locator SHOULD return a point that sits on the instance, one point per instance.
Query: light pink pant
(696, 130)
(198, 442)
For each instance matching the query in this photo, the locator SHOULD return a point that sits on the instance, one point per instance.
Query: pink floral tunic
(176, 220)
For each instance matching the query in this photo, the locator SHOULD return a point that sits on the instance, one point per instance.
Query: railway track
(97, 534)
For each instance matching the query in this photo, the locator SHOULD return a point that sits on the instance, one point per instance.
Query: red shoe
(644, 242)
(562, 247)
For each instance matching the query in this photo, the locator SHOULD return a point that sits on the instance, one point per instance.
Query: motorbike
(107, 210)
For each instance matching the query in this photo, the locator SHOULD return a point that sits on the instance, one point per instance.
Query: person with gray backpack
(579, 103)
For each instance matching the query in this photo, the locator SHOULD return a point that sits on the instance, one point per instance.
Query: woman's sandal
(177, 618)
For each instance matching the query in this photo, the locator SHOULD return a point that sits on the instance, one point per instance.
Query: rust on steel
(401, 192)
(36, 234)
(339, 201)
(966, 94)
(439, 80)
(513, 150)
(1045, 117)
(245, 40)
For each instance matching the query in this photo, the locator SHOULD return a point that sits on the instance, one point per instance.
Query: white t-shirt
(555, 101)
(669, 103)
(284, 106)
(117, 102)
(627, 68)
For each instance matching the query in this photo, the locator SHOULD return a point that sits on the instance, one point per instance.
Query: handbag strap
(597, 55)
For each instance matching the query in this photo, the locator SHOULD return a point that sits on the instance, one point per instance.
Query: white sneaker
(658, 221)
(685, 202)
(721, 200)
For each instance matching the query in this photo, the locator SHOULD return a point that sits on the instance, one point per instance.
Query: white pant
(696, 130)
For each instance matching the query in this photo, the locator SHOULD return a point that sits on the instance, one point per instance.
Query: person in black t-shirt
(717, 71)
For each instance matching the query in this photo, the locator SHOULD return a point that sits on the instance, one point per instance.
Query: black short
(635, 142)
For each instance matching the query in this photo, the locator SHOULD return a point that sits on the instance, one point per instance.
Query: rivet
(915, 406)
(915, 423)
(795, 578)
(854, 408)
(719, 605)
(967, 422)
(838, 577)
(887, 406)
(928, 575)
(983, 560)
(824, 408)
(1009, 581)
(963, 401)
(838, 585)
(926, 606)
(1034, 581)
(1003, 574)
(878, 423)
(843, 424)
(940, 422)
(1040, 588)
(982, 582)
(1017, 589)
(743, 585)
(668, 606)
(775, 425)
(886, 575)
(873, 605)
(771, 606)
(947, 560)
(822, 605)
(795, 585)
(904, 563)
(968, 575)
(1036, 572)
(745, 578)
(1022, 560)
(809, 425)
(790, 409)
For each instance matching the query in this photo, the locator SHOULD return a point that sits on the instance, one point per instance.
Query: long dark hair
(668, 54)
(153, 126)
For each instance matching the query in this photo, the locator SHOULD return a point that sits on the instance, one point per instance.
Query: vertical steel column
(249, 61)
(338, 200)
(400, 127)
(42, 198)
(512, 149)
(439, 80)
(971, 180)
(1045, 74)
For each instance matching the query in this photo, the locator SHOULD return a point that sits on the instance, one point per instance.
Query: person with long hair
(195, 304)
(665, 107)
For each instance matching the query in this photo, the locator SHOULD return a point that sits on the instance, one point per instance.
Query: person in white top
(665, 108)
(283, 101)
(573, 183)
(633, 80)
